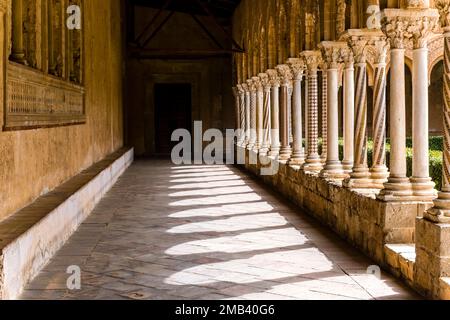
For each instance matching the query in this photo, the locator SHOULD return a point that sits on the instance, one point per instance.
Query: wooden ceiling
(221, 9)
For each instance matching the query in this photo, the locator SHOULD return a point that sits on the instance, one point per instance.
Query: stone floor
(206, 232)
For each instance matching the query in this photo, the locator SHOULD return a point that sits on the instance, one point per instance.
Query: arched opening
(436, 99)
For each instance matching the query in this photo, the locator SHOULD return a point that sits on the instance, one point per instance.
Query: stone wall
(33, 162)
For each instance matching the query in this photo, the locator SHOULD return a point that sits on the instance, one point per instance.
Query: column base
(250, 146)
(285, 153)
(264, 151)
(359, 179)
(297, 160)
(333, 170)
(423, 188)
(397, 190)
(440, 213)
(347, 166)
(313, 164)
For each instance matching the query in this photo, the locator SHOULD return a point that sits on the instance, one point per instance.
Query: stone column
(379, 171)
(252, 89)
(313, 162)
(286, 77)
(298, 155)
(247, 113)
(290, 119)
(332, 53)
(266, 114)
(274, 112)
(360, 175)
(236, 107)
(422, 185)
(18, 49)
(349, 112)
(242, 114)
(259, 113)
(323, 155)
(440, 213)
(433, 231)
(398, 187)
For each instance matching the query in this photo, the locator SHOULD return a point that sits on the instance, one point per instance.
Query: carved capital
(417, 4)
(421, 30)
(273, 77)
(333, 53)
(443, 6)
(359, 48)
(410, 28)
(380, 51)
(251, 85)
(285, 74)
(297, 67)
(396, 29)
(348, 57)
(240, 89)
(312, 60)
(245, 87)
(265, 81)
(257, 83)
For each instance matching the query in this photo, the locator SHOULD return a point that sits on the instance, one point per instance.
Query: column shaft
(285, 151)
(360, 176)
(242, 118)
(253, 99)
(259, 118)
(333, 168)
(421, 181)
(298, 156)
(275, 121)
(266, 122)
(398, 186)
(313, 161)
(325, 100)
(440, 213)
(18, 50)
(379, 171)
(247, 117)
(349, 118)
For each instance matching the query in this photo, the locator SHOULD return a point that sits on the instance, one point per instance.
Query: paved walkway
(206, 232)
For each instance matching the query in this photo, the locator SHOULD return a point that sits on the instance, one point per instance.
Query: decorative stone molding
(333, 53)
(274, 77)
(443, 6)
(312, 60)
(285, 73)
(297, 67)
(34, 99)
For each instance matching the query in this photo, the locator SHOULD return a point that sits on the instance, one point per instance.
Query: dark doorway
(173, 110)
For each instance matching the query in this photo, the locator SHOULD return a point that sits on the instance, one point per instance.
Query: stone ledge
(29, 238)
(401, 259)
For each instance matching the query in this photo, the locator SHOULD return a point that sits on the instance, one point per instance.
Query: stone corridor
(206, 232)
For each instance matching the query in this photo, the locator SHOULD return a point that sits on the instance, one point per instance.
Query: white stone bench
(30, 238)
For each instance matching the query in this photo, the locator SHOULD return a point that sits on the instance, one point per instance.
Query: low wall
(365, 222)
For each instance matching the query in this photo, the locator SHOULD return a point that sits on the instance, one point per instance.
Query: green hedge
(436, 145)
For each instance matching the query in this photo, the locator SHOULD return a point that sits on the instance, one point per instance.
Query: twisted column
(360, 175)
(242, 126)
(247, 114)
(313, 162)
(274, 112)
(266, 114)
(379, 171)
(440, 212)
(253, 99)
(349, 113)
(259, 113)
